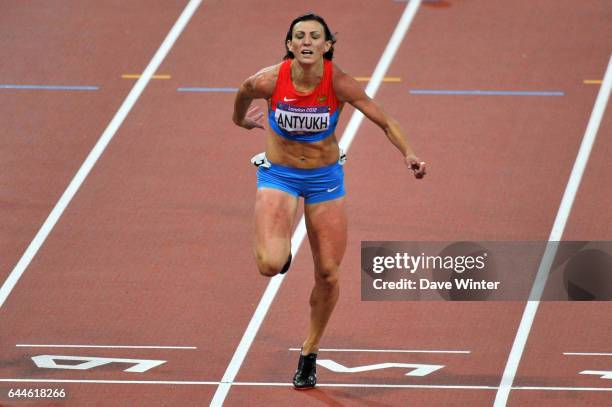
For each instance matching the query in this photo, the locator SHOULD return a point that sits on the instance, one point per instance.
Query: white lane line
(279, 384)
(586, 354)
(25, 345)
(170, 382)
(300, 232)
(388, 350)
(552, 388)
(556, 234)
(385, 386)
(96, 152)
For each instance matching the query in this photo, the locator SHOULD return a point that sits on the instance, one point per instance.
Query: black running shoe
(306, 374)
(286, 266)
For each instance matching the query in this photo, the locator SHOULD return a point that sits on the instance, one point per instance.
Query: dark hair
(328, 35)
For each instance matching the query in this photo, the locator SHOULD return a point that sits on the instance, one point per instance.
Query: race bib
(302, 119)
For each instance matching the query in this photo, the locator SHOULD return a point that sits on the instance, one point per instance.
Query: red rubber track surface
(155, 248)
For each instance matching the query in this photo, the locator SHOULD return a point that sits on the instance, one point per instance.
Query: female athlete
(305, 94)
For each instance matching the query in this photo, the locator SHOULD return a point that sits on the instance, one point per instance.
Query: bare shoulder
(262, 84)
(346, 87)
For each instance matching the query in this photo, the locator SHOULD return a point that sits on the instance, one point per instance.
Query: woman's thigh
(274, 217)
(326, 223)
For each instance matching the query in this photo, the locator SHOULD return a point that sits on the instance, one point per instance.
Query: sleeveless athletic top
(303, 117)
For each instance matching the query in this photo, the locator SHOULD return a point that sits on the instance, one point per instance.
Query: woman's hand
(417, 166)
(253, 119)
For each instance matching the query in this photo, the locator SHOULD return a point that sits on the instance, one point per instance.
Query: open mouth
(307, 52)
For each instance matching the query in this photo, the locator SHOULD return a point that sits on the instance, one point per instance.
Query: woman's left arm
(348, 90)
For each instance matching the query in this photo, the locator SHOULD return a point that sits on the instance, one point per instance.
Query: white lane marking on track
(277, 384)
(418, 369)
(604, 374)
(91, 362)
(300, 232)
(96, 152)
(586, 354)
(25, 345)
(388, 350)
(501, 398)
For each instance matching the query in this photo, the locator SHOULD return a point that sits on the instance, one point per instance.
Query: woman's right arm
(259, 86)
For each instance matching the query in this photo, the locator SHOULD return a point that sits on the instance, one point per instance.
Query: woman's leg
(274, 217)
(326, 224)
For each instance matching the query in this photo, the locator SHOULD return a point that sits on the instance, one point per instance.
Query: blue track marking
(226, 90)
(485, 92)
(48, 87)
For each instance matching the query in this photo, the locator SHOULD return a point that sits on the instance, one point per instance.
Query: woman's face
(308, 42)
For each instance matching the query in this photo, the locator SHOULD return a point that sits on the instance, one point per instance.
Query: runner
(305, 95)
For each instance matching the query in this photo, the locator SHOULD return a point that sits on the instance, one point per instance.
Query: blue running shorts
(313, 184)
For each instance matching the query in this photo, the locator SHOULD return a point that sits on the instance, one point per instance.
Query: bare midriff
(299, 154)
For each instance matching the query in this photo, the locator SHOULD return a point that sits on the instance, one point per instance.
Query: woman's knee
(327, 275)
(269, 266)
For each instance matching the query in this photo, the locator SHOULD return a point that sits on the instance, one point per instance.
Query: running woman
(305, 94)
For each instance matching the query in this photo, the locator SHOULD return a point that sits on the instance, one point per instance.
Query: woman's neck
(306, 76)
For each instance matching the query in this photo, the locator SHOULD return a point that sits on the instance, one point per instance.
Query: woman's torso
(302, 121)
